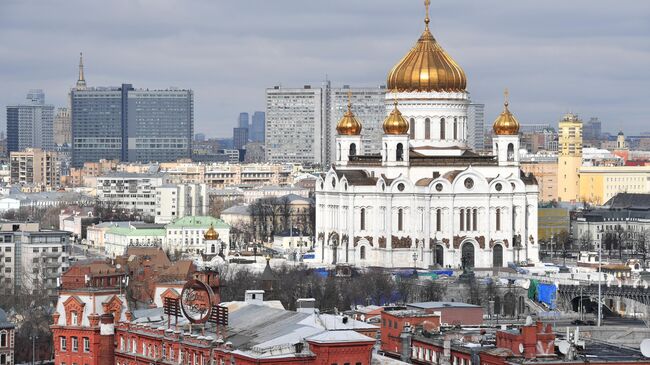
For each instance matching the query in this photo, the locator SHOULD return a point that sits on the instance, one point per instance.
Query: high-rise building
(131, 125)
(368, 104)
(294, 125)
(199, 137)
(239, 137)
(62, 127)
(33, 166)
(256, 133)
(243, 120)
(30, 125)
(591, 130)
(475, 126)
(569, 158)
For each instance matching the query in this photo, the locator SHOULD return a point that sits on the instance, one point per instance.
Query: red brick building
(393, 323)
(452, 313)
(7, 338)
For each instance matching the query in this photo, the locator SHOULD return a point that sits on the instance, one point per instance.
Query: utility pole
(33, 338)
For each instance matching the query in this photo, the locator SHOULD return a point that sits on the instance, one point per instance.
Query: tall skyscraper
(368, 105)
(131, 125)
(592, 130)
(256, 133)
(294, 125)
(239, 137)
(475, 126)
(30, 125)
(569, 158)
(243, 120)
(62, 127)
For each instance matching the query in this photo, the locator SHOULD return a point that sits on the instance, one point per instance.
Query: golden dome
(506, 124)
(211, 234)
(348, 125)
(427, 67)
(395, 122)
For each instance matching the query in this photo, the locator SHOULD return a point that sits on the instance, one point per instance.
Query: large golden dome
(348, 125)
(427, 67)
(395, 122)
(211, 234)
(506, 124)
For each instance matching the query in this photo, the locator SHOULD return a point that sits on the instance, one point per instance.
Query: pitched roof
(629, 201)
(198, 221)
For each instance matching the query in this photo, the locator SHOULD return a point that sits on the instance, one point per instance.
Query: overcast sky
(591, 57)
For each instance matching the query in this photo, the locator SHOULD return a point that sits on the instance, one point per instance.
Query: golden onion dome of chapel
(211, 234)
(348, 125)
(395, 122)
(427, 67)
(506, 124)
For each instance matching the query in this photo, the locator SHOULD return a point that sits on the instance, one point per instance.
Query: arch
(467, 254)
(497, 256)
(511, 152)
(440, 255)
(353, 149)
(427, 128)
(509, 302)
(362, 252)
(442, 128)
(399, 152)
(412, 128)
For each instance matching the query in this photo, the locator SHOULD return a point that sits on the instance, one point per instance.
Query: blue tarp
(322, 272)
(443, 272)
(546, 293)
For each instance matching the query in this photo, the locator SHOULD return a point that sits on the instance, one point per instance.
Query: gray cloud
(589, 57)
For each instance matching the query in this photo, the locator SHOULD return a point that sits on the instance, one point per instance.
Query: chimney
(106, 352)
(306, 305)
(405, 337)
(254, 297)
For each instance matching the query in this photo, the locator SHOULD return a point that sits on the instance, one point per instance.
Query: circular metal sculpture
(196, 301)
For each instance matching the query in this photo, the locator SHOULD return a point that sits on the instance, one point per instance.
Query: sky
(590, 57)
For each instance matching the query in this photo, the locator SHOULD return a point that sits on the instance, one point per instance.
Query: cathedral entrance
(497, 256)
(440, 256)
(467, 255)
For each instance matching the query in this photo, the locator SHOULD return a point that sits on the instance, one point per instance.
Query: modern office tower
(30, 125)
(256, 133)
(130, 124)
(569, 158)
(62, 127)
(368, 105)
(239, 137)
(33, 166)
(294, 125)
(591, 130)
(475, 126)
(243, 120)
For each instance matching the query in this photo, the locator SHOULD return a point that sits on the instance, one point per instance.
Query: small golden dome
(427, 67)
(211, 234)
(348, 125)
(395, 122)
(506, 124)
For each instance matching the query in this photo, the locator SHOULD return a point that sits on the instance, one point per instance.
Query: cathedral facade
(426, 200)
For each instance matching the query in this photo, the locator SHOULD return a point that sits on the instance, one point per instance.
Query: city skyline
(569, 56)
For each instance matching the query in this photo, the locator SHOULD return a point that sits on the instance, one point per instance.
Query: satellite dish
(529, 321)
(564, 347)
(645, 347)
(521, 348)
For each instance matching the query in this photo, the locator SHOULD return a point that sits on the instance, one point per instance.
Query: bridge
(623, 299)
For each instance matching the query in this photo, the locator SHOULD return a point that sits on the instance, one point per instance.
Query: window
(86, 344)
(442, 128)
(498, 223)
(75, 344)
(400, 219)
(412, 128)
(468, 219)
(63, 343)
(427, 128)
(399, 152)
(438, 220)
(363, 219)
(362, 252)
(3, 339)
(462, 219)
(474, 218)
(353, 149)
(74, 318)
(455, 129)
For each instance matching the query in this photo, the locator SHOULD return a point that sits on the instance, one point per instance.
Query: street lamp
(415, 258)
(33, 338)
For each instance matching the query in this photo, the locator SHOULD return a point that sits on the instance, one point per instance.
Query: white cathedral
(426, 200)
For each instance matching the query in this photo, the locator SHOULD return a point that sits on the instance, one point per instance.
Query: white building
(187, 234)
(475, 126)
(425, 198)
(118, 239)
(179, 200)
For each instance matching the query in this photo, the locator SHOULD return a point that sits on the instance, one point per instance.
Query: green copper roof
(198, 221)
(125, 231)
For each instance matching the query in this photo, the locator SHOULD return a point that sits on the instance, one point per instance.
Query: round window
(439, 187)
(469, 183)
(498, 186)
(400, 187)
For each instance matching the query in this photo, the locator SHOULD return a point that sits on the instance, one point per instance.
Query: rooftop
(198, 222)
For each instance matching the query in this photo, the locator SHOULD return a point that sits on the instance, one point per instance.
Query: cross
(426, 7)
(506, 94)
(349, 99)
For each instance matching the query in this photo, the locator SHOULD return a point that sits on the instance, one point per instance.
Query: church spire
(81, 82)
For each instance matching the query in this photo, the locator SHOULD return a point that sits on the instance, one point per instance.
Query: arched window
(498, 216)
(467, 254)
(362, 252)
(438, 220)
(385, 151)
(353, 149)
(442, 128)
(440, 255)
(497, 256)
(474, 219)
(338, 152)
(427, 128)
(455, 129)
(412, 128)
(213, 249)
(3, 339)
(468, 219)
(399, 152)
(400, 219)
(511, 152)
(363, 219)
(462, 219)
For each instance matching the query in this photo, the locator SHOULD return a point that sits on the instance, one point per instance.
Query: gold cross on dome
(506, 95)
(426, 7)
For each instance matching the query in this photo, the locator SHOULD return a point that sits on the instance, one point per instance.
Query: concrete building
(127, 124)
(569, 158)
(476, 126)
(31, 258)
(221, 175)
(239, 138)
(175, 201)
(30, 125)
(243, 121)
(592, 130)
(62, 127)
(36, 167)
(598, 184)
(257, 127)
(544, 168)
(294, 125)
(188, 234)
(117, 240)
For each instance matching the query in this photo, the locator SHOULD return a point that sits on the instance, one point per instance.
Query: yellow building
(569, 158)
(600, 183)
(545, 171)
